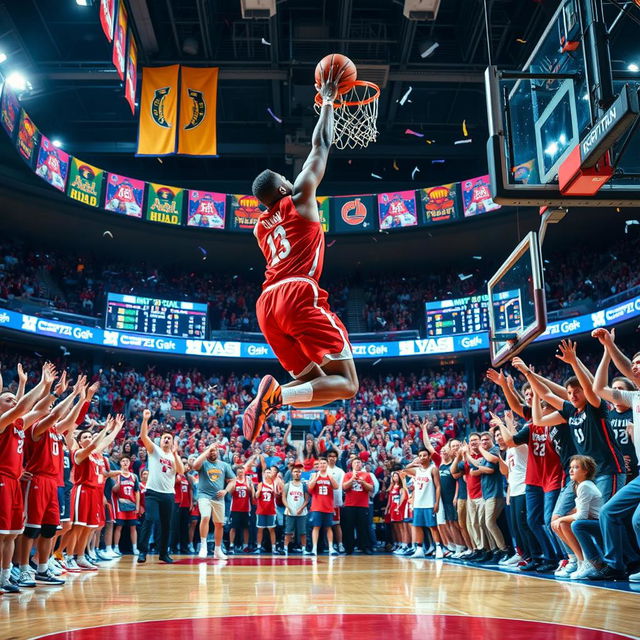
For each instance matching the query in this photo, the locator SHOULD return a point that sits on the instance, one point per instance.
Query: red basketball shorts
(11, 506)
(299, 326)
(41, 501)
(87, 508)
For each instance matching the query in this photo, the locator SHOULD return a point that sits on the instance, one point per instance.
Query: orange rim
(353, 103)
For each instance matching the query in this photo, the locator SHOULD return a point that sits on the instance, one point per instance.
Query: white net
(354, 125)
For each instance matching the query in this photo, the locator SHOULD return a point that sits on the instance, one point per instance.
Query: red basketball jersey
(89, 472)
(544, 468)
(240, 500)
(322, 495)
(128, 486)
(396, 504)
(12, 450)
(46, 455)
(267, 501)
(292, 245)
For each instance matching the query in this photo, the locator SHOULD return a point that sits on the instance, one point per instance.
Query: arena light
(3, 57)
(84, 3)
(18, 81)
(56, 143)
(633, 67)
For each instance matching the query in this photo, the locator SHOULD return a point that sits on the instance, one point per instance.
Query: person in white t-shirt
(163, 463)
(582, 470)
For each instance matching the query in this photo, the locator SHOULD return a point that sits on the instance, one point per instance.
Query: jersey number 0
(278, 245)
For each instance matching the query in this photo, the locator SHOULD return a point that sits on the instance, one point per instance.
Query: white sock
(6, 574)
(24, 567)
(42, 568)
(315, 549)
(299, 393)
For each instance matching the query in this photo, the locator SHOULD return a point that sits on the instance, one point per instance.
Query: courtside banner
(164, 204)
(198, 106)
(324, 205)
(206, 209)
(132, 73)
(476, 197)
(107, 15)
(85, 183)
(397, 209)
(244, 212)
(439, 204)
(124, 195)
(9, 110)
(27, 140)
(158, 111)
(354, 214)
(120, 40)
(53, 164)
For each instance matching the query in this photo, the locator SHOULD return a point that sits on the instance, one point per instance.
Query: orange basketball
(338, 63)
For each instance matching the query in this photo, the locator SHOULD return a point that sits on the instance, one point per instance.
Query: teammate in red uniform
(266, 510)
(242, 495)
(17, 414)
(127, 493)
(321, 487)
(309, 340)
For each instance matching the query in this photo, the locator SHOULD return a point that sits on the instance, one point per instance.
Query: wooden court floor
(356, 597)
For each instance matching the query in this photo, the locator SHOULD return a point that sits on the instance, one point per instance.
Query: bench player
(309, 340)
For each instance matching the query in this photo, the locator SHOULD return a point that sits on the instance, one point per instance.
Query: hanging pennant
(198, 97)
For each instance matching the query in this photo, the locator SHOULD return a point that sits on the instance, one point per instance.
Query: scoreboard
(470, 314)
(156, 317)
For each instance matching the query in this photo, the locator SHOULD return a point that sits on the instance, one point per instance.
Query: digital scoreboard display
(156, 317)
(469, 314)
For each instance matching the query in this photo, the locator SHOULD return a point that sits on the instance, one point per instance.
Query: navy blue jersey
(593, 436)
(619, 422)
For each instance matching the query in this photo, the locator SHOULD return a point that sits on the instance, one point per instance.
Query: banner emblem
(157, 107)
(199, 109)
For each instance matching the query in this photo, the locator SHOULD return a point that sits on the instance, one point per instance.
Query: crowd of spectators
(391, 302)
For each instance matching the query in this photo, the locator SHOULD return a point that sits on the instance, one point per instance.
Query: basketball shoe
(267, 400)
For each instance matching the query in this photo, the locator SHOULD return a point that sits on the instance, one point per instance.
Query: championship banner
(439, 204)
(476, 197)
(158, 111)
(9, 110)
(324, 205)
(198, 98)
(397, 210)
(244, 212)
(164, 204)
(206, 209)
(132, 73)
(120, 40)
(27, 140)
(53, 164)
(354, 214)
(85, 183)
(124, 195)
(107, 15)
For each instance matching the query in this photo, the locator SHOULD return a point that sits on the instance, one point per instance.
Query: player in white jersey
(296, 498)
(426, 498)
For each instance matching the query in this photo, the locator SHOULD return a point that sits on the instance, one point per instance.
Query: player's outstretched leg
(335, 380)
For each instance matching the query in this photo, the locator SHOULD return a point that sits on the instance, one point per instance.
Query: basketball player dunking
(308, 339)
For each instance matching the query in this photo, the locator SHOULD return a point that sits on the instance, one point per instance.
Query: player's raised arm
(305, 185)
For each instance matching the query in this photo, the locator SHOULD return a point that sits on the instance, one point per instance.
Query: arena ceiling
(77, 96)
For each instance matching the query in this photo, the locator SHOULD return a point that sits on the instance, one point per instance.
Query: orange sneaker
(267, 400)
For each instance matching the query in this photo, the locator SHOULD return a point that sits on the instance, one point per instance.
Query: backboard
(541, 115)
(517, 305)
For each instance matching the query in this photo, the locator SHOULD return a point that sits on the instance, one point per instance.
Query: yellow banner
(198, 98)
(158, 111)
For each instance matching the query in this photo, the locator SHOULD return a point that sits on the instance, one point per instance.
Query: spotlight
(56, 143)
(84, 3)
(633, 67)
(18, 81)
(3, 57)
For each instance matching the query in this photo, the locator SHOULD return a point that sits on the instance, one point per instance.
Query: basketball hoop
(355, 114)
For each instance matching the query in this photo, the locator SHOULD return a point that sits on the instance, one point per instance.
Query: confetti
(411, 132)
(160, 160)
(274, 116)
(204, 252)
(617, 209)
(413, 173)
(395, 166)
(349, 161)
(406, 96)
(263, 41)
(521, 41)
(437, 162)
(429, 141)
(64, 351)
(376, 362)
(628, 223)
(465, 133)
(107, 234)
(375, 175)
(462, 276)
(477, 257)
(466, 141)
(38, 354)
(331, 244)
